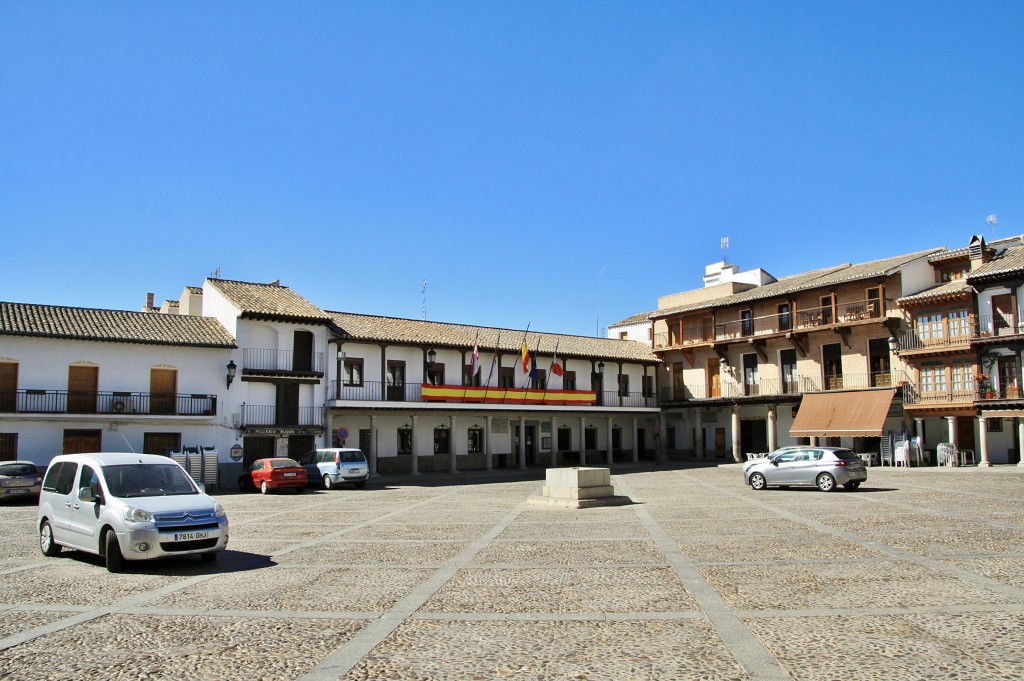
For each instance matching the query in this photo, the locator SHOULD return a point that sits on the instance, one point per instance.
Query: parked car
(127, 507)
(19, 480)
(821, 467)
(268, 475)
(334, 466)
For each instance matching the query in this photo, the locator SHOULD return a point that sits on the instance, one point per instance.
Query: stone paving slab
(915, 576)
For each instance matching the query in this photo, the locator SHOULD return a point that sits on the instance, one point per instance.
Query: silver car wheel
(758, 482)
(46, 544)
(826, 483)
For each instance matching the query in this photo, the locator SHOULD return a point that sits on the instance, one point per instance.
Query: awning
(859, 413)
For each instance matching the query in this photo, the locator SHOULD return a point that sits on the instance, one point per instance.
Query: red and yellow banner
(459, 393)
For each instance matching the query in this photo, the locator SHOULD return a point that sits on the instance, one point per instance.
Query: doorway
(82, 441)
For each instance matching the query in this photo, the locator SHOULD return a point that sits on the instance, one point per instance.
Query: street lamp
(894, 345)
(431, 356)
(231, 372)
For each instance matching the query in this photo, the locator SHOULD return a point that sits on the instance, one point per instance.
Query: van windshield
(147, 480)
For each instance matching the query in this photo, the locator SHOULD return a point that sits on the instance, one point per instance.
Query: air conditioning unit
(121, 407)
(236, 420)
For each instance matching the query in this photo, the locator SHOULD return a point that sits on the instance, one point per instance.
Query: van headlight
(137, 515)
(218, 509)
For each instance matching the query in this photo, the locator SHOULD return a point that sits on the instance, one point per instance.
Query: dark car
(19, 480)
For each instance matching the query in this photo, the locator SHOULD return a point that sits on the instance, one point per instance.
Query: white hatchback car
(127, 507)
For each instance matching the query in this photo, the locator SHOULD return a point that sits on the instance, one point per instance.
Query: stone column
(659, 441)
(583, 441)
(699, 449)
(611, 452)
(488, 463)
(522, 442)
(773, 424)
(636, 436)
(414, 455)
(452, 447)
(951, 428)
(1020, 440)
(554, 442)
(737, 455)
(372, 454)
(983, 461)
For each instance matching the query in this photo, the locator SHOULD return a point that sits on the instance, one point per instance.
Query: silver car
(821, 467)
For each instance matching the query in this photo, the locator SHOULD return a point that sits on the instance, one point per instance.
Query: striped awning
(859, 413)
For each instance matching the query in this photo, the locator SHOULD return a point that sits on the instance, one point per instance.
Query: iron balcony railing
(373, 391)
(257, 415)
(1000, 325)
(128, 403)
(265, 359)
(802, 320)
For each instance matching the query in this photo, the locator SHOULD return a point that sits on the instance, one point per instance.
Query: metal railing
(998, 325)
(107, 402)
(265, 359)
(254, 415)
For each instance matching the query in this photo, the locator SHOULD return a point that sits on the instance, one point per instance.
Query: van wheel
(112, 552)
(46, 544)
(327, 482)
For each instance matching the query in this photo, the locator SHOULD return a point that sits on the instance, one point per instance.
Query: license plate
(190, 536)
(18, 491)
(289, 475)
(356, 471)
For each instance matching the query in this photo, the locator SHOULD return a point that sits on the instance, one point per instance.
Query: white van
(331, 467)
(127, 507)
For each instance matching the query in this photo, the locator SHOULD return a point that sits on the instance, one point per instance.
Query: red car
(267, 475)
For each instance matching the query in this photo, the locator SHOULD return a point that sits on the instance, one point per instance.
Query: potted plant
(984, 386)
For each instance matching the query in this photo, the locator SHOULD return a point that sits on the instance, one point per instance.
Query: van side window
(57, 480)
(89, 479)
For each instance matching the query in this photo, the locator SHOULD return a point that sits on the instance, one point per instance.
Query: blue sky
(553, 164)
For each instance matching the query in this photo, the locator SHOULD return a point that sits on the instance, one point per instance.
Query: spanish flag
(526, 357)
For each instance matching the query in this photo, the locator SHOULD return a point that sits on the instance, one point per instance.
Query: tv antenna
(725, 248)
(992, 222)
(424, 300)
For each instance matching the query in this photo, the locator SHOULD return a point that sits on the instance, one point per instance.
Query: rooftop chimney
(149, 301)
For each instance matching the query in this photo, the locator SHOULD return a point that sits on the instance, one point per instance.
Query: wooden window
(287, 412)
(825, 303)
(163, 386)
(785, 317)
(647, 385)
(746, 322)
(353, 371)
(874, 302)
(469, 378)
(790, 379)
(832, 361)
(161, 443)
(395, 380)
(8, 386)
(569, 380)
(8, 446)
(623, 335)
(623, 385)
(751, 384)
(564, 438)
(539, 378)
(507, 377)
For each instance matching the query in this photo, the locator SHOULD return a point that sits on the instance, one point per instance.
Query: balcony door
(8, 386)
(302, 345)
(878, 357)
(83, 382)
(714, 385)
(1002, 315)
(163, 386)
(287, 405)
(832, 363)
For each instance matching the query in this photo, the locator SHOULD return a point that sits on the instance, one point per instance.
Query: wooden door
(302, 347)
(714, 385)
(1002, 314)
(8, 386)
(287, 405)
(82, 441)
(163, 386)
(82, 387)
(719, 443)
(965, 432)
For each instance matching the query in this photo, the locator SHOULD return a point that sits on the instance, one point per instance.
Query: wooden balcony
(805, 320)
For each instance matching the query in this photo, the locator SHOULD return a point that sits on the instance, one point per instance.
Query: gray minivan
(332, 466)
(127, 507)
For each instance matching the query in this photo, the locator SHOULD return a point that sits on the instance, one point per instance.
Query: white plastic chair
(967, 454)
(902, 455)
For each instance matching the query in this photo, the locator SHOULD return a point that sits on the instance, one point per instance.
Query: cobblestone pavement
(917, 575)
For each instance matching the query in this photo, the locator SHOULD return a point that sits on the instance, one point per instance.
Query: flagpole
(494, 360)
(472, 365)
